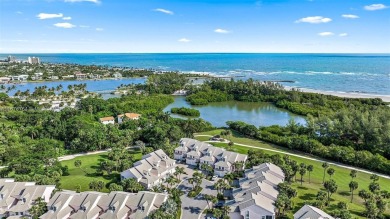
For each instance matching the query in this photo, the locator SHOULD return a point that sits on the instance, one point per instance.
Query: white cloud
(343, 34)
(93, 1)
(165, 11)
(314, 20)
(184, 40)
(64, 25)
(375, 7)
(19, 12)
(49, 16)
(350, 16)
(221, 31)
(99, 29)
(326, 34)
(84, 26)
(67, 18)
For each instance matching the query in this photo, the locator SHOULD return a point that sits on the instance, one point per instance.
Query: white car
(214, 177)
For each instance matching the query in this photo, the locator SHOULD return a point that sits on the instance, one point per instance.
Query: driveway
(192, 208)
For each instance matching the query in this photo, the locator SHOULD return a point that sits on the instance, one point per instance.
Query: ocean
(357, 73)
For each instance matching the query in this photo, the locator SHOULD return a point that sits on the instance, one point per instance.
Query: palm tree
(229, 177)
(302, 172)
(325, 166)
(225, 210)
(330, 172)
(210, 198)
(217, 213)
(353, 185)
(179, 171)
(353, 174)
(170, 181)
(310, 169)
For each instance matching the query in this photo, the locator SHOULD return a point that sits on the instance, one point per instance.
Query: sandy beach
(385, 98)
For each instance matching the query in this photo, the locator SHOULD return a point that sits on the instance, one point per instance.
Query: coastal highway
(304, 157)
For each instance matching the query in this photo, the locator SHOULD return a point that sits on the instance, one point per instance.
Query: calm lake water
(258, 114)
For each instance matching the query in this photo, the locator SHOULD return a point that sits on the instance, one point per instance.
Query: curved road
(305, 157)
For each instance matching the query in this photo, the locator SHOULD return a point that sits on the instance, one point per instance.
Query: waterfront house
(311, 212)
(130, 116)
(97, 205)
(80, 76)
(195, 152)
(37, 76)
(68, 77)
(117, 75)
(107, 120)
(151, 170)
(4, 80)
(257, 192)
(16, 198)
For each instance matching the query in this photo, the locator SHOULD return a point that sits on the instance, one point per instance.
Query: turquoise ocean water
(362, 73)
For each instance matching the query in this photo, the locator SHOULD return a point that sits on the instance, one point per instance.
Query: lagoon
(258, 114)
(101, 86)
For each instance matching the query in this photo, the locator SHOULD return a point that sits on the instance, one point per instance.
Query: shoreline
(385, 98)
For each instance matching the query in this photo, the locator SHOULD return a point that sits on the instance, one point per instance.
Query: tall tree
(325, 165)
(302, 172)
(331, 187)
(330, 172)
(353, 185)
(310, 169)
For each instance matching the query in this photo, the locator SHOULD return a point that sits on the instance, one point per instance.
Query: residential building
(33, 60)
(257, 193)
(310, 212)
(68, 77)
(54, 77)
(4, 80)
(16, 198)
(97, 205)
(19, 77)
(11, 59)
(130, 116)
(152, 169)
(107, 120)
(80, 76)
(37, 76)
(196, 152)
(117, 75)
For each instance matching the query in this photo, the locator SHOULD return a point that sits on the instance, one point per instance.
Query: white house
(311, 212)
(152, 169)
(117, 75)
(130, 116)
(257, 193)
(97, 205)
(16, 198)
(196, 152)
(107, 120)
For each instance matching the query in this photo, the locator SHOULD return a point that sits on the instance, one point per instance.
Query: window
(268, 217)
(247, 215)
(262, 217)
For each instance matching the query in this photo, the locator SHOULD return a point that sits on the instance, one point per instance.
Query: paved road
(72, 156)
(305, 157)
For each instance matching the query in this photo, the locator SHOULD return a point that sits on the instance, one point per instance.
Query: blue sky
(313, 26)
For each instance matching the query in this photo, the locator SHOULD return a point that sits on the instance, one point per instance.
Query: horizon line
(22, 53)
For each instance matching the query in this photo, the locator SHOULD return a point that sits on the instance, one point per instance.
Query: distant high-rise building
(11, 59)
(33, 60)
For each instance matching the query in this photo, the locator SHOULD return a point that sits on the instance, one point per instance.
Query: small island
(185, 111)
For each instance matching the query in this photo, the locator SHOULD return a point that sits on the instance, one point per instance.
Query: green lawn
(307, 192)
(86, 174)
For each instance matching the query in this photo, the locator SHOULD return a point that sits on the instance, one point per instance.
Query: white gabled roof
(311, 212)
